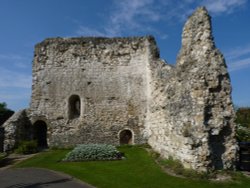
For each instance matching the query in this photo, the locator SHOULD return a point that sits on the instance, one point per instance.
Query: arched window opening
(125, 137)
(74, 107)
(40, 134)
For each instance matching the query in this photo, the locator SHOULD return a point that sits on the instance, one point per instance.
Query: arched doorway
(40, 133)
(74, 106)
(125, 137)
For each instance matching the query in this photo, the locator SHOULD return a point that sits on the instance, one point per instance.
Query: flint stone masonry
(192, 116)
(108, 75)
(90, 90)
(17, 128)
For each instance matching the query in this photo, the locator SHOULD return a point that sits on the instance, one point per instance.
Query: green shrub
(243, 124)
(243, 117)
(243, 134)
(90, 152)
(27, 147)
(2, 156)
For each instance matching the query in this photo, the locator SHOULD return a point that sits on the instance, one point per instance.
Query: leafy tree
(5, 113)
(243, 124)
(243, 117)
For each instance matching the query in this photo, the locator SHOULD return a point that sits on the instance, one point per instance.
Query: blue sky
(27, 22)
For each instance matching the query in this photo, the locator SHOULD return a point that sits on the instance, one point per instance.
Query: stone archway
(126, 137)
(40, 133)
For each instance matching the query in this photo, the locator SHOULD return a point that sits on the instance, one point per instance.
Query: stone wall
(1, 138)
(192, 119)
(17, 128)
(108, 75)
(88, 90)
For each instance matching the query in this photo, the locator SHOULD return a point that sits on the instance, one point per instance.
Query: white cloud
(128, 17)
(86, 31)
(11, 56)
(238, 58)
(21, 64)
(238, 52)
(163, 36)
(240, 64)
(16, 60)
(136, 17)
(223, 6)
(14, 79)
(131, 15)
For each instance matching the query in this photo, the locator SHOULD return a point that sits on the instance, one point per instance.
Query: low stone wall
(1, 138)
(17, 128)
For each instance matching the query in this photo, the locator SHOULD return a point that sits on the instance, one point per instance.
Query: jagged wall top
(94, 47)
(197, 35)
(196, 103)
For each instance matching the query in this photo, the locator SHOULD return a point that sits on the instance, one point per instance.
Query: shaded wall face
(17, 129)
(1, 138)
(192, 120)
(109, 79)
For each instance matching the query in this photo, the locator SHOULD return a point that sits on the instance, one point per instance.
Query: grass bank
(137, 170)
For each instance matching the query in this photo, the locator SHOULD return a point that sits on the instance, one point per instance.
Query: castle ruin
(118, 91)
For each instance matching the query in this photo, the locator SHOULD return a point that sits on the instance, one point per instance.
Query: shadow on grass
(7, 161)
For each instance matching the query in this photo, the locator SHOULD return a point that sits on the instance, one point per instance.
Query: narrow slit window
(74, 107)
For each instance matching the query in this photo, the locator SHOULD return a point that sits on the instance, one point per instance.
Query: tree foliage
(5, 113)
(243, 117)
(243, 124)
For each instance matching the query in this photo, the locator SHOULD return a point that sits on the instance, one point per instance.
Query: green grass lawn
(137, 170)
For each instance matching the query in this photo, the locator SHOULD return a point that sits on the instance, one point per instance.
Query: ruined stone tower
(118, 91)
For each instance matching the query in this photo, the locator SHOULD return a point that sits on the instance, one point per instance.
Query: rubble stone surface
(89, 90)
(192, 119)
(17, 128)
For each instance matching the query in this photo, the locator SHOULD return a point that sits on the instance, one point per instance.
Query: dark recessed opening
(74, 106)
(40, 134)
(125, 137)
